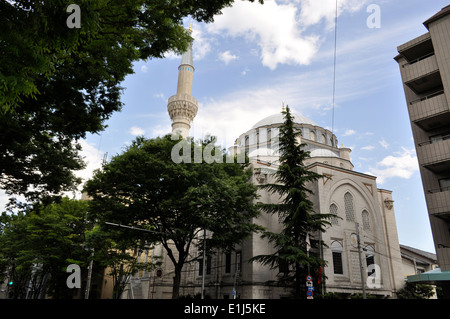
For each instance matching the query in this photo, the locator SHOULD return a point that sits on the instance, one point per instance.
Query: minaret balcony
(183, 97)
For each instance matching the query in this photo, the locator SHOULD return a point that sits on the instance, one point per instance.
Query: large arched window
(349, 210)
(365, 220)
(336, 249)
(370, 259)
(334, 211)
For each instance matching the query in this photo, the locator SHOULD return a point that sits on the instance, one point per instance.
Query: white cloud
(273, 26)
(280, 27)
(134, 130)
(313, 11)
(227, 57)
(144, 69)
(161, 130)
(403, 165)
(384, 144)
(368, 148)
(93, 160)
(160, 96)
(349, 132)
(201, 45)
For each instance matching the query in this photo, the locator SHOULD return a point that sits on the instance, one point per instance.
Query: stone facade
(352, 196)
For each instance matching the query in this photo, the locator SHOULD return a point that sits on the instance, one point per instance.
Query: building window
(334, 211)
(324, 139)
(444, 184)
(238, 262)
(208, 266)
(312, 136)
(228, 262)
(349, 211)
(247, 144)
(365, 220)
(336, 249)
(370, 259)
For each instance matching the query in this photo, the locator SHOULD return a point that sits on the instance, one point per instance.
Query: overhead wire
(334, 67)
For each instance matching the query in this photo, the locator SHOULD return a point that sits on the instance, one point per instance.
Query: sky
(254, 57)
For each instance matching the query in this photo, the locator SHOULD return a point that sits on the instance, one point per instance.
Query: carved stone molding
(389, 203)
(182, 108)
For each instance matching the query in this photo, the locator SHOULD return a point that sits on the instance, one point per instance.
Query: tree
(415, 291)
(58, 83)
(295, 211)
(114, 250)
(144, 187)
(37, 245)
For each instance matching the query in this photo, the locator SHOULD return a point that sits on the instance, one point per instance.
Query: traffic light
(10, 283)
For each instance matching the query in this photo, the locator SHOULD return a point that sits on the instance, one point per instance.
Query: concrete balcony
(438, 202)
(435, 155)
(422, 75)
(431, 111)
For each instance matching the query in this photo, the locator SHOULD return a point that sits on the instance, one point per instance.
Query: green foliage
(143, 187)
(295, 212)
(415, 291)
(37, 245)
(57, 83)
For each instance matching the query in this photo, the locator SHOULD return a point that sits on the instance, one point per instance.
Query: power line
(334, 66)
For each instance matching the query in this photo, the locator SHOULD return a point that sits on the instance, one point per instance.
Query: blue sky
(254, 57)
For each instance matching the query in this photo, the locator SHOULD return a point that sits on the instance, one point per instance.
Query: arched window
(349, 211)
(324, 139)
(365, 220)
(312, 136)
(334, 211)
(336, 249)
(370, 259)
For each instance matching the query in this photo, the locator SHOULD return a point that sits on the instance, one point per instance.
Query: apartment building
(425, 70)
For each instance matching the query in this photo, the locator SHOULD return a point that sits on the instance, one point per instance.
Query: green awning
(431, 276)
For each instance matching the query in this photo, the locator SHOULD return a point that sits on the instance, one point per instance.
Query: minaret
(183, 106)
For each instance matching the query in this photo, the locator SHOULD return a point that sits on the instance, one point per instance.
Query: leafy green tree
(37, 246)
(57, 83)
(144, 187)
(415, 291)
(295, 212)
(114, 250)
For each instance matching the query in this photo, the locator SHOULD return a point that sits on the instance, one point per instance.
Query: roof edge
(444, 11)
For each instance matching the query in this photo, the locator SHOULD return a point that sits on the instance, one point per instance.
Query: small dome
(321, 152)
(279, 119)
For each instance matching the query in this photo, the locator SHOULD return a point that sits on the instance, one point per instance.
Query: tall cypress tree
(295, 212)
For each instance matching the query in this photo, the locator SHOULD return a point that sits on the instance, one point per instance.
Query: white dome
(279, 119)
(321, 152)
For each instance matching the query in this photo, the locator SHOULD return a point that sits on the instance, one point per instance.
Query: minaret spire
(183, 106)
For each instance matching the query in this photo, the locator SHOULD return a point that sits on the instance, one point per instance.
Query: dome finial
(283, 109)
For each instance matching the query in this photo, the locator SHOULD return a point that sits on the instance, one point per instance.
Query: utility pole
(88, 284)
(204, 263)
(360, 261)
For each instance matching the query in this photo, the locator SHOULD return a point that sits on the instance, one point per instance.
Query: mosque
(362, 247)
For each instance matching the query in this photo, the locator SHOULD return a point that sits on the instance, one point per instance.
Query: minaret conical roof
(187, 58)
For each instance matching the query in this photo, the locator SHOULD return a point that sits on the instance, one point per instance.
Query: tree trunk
(177, 281)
